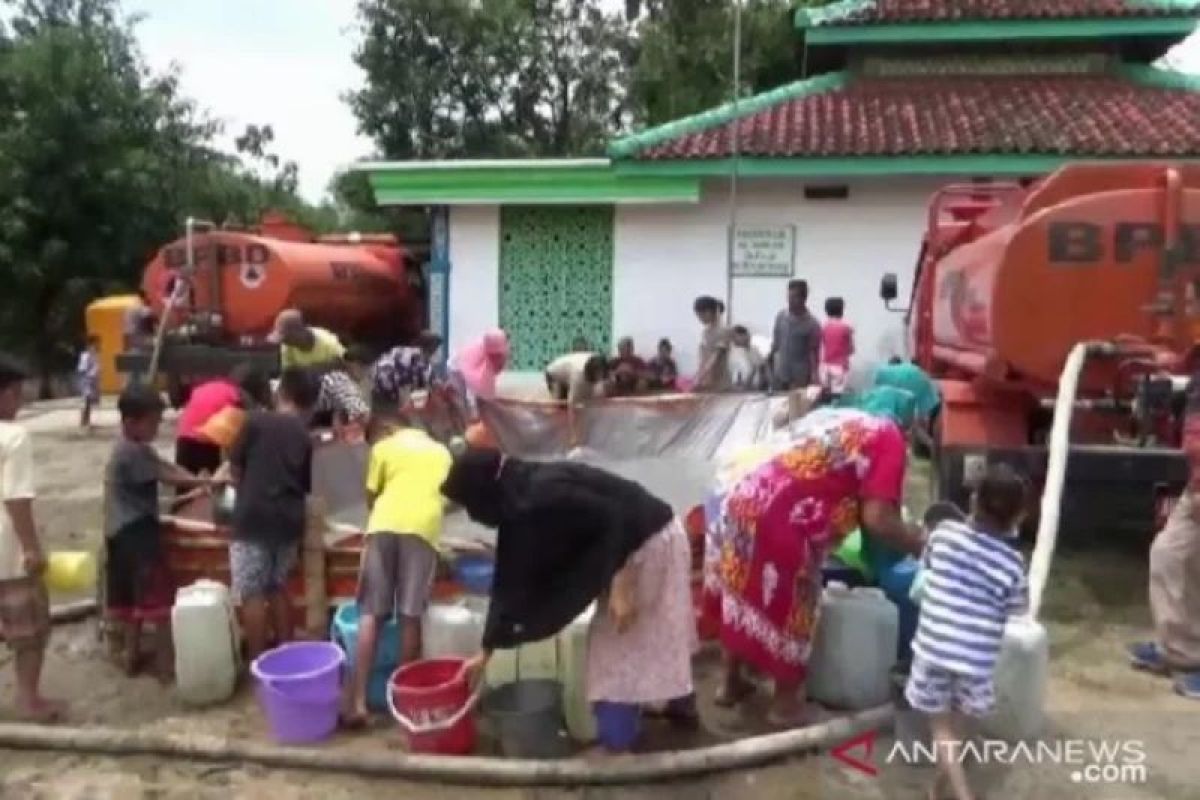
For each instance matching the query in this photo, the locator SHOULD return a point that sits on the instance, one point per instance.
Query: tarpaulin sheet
(669, 444)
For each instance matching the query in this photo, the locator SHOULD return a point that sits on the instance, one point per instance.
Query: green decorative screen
(555, 280)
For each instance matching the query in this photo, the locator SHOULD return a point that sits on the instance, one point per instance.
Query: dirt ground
(1096, 603)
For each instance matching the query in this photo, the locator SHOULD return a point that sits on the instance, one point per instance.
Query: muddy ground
(1096, 603)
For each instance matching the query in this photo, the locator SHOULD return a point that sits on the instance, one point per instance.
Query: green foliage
(513, 78)
(100, 162)
(684, 61)
(504, 78)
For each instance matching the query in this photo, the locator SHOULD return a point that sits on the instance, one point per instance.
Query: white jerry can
(454, 629)
(206, 637)
(533, 661)
(1021, 673)
(854, 649)
(572, 651)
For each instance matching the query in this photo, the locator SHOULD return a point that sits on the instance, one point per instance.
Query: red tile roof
(852, 12)
(1077, 115)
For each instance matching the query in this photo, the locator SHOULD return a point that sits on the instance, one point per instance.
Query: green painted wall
(556, 276)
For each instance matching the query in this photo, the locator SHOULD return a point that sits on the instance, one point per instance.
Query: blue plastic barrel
(344, 633)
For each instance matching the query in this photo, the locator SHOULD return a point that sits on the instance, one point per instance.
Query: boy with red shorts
(138, 586)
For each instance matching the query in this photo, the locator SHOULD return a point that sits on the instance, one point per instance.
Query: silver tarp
(671, 444)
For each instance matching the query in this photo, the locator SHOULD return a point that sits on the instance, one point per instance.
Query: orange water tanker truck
(1010, 278)
(229, 286)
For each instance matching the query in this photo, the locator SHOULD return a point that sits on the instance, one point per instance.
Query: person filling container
(778, 516)
(577, 379)
(569, 534)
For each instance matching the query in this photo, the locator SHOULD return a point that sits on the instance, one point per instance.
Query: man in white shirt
(24, 606)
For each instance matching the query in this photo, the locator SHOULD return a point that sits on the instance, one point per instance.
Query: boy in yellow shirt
(404, 478)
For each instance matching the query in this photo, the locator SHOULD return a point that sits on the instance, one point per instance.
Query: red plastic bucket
(433, 704)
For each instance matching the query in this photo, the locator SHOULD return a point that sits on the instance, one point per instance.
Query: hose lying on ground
(751, 752)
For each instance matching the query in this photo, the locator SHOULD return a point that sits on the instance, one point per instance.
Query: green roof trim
(1158, 78)
(870, 166)
(723, 115)
(521, 182)
(993, 30)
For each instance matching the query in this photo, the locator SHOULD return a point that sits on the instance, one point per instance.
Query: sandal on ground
(1188, 685)
(1147, 657)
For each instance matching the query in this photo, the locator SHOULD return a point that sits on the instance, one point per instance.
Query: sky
(286, 63)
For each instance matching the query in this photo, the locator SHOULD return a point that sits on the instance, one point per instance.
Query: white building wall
(666, 256)
(474, 273)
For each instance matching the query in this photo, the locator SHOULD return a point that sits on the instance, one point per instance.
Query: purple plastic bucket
(299, 688)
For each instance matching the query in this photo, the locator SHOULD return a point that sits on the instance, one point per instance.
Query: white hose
(1056, 473)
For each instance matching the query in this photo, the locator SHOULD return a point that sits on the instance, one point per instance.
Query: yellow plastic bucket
(70, 571)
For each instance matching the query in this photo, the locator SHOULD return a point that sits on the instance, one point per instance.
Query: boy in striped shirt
(975, 580)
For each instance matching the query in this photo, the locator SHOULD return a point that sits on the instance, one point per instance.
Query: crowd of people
(802, 352)
(832, 467)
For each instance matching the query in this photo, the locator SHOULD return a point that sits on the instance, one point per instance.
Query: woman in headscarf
(779, 511)
(567, 535)
(477, 366)
(473, 373)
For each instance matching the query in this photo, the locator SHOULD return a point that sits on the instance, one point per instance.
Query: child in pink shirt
(837, 345)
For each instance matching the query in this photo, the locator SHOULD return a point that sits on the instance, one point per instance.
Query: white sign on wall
(767, 251)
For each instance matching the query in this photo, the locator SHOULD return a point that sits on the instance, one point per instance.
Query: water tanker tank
(358, 290)
(1082, 260)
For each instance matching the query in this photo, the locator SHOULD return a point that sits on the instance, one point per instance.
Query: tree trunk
(44, 344)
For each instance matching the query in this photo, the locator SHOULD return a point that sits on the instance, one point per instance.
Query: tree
(100, 162)
(501, 78)
(684, 59)
(89, 146)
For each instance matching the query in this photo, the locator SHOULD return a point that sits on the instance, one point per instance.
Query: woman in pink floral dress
(784, 510)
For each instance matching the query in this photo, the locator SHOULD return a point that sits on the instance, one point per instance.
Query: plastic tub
(474, 573)
(299, 689)
(343, 631)
(528, 719)
(617, 725)
(433, 705)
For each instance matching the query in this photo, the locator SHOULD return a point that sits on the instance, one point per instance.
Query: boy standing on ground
(271, 463)
(87, 374)
(404, 479)
(24, 606)
(974, 581)
(138, 584)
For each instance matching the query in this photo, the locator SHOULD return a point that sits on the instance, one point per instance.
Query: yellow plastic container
(70, 571)
(105, 319)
